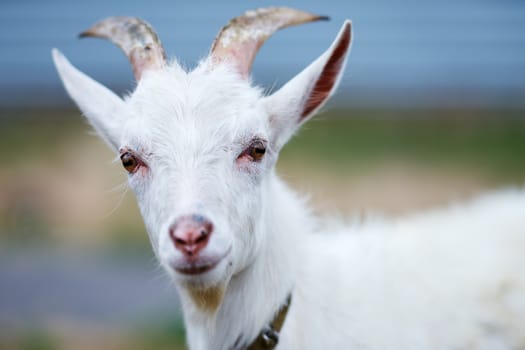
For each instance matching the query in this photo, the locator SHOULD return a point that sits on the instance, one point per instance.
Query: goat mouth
(194, 268)
(197, 266)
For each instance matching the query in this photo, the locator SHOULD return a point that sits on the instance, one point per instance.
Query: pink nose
(190, 234)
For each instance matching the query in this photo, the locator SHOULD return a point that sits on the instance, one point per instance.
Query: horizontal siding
(422, 49)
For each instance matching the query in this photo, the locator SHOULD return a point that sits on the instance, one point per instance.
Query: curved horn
(242, 37)
(135, 37)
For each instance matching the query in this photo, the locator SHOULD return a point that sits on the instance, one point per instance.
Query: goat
(254, 269)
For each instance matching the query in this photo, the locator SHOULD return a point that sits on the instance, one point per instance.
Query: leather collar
(269, 335)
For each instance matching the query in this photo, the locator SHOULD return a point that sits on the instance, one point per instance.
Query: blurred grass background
(60, 190)
(59, 178)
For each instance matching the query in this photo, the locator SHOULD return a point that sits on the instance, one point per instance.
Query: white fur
(450, 279)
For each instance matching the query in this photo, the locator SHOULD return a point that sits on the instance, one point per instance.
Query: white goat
(200, 148)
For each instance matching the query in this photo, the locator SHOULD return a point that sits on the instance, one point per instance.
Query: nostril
(173, 235)
(179, 241)
(203, 236)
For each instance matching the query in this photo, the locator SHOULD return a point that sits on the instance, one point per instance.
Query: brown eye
(257, 152)
(130, 162)
(254, 153)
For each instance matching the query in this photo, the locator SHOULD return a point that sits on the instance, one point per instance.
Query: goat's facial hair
(205, 142)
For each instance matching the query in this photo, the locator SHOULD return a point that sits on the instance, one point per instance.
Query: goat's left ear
(306, 93)
(104, 110)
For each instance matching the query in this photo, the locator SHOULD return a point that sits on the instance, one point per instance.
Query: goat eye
(257, 152)
(130, 162)
(254, 153)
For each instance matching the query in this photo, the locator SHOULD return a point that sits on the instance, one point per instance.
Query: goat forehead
(204, 95)
(199, 110)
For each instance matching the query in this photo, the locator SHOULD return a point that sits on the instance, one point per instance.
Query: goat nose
(190, 234)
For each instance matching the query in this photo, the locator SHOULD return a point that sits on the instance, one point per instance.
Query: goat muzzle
(190, 235)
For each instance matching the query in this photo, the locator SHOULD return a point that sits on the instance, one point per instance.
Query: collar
(269, 335)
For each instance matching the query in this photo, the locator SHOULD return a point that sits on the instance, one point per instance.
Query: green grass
(486, 145)
(167, 334)
(30, 134)
(486, 141)
(35, 339)
(38, 343)
(482, 138)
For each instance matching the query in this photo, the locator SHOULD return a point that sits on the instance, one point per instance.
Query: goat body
(200, 149)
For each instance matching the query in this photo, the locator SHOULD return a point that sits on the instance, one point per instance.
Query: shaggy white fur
(449, 279)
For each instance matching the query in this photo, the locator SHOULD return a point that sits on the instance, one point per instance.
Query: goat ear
(102, 107)
(306, 93)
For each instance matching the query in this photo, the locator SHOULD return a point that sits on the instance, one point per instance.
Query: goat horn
(242, 37)
(135, 37)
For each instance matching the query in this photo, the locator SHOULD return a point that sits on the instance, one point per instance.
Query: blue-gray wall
(405, 52)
